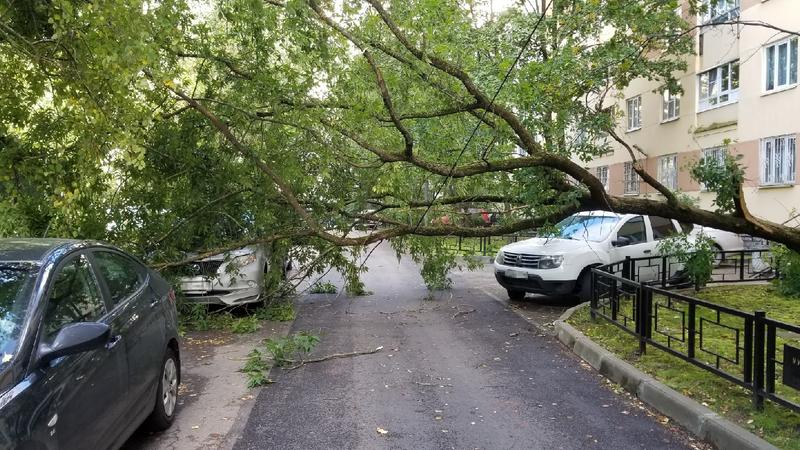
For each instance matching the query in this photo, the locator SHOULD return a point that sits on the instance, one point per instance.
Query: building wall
(742, 124)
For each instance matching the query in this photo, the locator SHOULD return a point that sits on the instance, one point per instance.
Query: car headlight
(550, 261)
(241, 261)
(499, 258)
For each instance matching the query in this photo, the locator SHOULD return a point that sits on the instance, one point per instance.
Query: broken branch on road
(303, 362)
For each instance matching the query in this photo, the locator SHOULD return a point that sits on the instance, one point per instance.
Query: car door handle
(113, 341)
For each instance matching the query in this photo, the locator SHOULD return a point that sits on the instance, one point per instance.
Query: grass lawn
(471, 246)
(776, 424)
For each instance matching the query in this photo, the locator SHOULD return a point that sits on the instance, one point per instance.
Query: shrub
(696, 253)
(788, 263)
(323, 288)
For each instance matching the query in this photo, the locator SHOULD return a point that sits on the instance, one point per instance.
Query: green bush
(695, 253)
(788, 261)
(323, 288)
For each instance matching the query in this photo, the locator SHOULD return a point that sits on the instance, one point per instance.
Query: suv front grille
(204, 268)
(521, 260)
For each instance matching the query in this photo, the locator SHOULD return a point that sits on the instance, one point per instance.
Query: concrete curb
(701, 421)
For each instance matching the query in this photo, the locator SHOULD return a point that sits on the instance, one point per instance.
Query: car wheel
(584, 288)
(166, 394)
(515, 294)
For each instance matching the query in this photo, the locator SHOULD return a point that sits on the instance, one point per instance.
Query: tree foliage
(169, 126)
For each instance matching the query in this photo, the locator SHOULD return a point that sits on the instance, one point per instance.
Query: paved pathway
(459, 371)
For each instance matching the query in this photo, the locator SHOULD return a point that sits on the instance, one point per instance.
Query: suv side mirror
(621, 241)
(75, 338)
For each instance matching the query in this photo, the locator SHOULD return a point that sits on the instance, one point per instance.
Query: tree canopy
(172, 126)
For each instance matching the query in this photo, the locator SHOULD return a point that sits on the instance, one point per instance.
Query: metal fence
(748, 349)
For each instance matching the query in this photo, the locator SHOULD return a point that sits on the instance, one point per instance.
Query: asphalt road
(460, 370)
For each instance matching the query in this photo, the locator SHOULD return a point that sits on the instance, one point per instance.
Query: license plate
(511, 273)
(196, 286)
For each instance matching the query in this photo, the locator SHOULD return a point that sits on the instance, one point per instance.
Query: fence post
(594, 299)
(459, 243)
(691, 330)
(664, 271)
(614, 299)
(488, 245)
(748, 350)
(741, 265)
(626, 268)
(643, 296)
(758, 360)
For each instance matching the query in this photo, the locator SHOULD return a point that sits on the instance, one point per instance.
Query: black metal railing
(748, 349)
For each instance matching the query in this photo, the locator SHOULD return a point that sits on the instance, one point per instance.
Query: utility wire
(485, 110)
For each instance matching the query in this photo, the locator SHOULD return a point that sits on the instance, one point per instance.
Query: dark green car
(88, 345)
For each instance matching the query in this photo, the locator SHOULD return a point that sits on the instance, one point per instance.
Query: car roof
(601, 213)
(34, 250)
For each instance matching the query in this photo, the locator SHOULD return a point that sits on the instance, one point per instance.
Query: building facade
(740, 95)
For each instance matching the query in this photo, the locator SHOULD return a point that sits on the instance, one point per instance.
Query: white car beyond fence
(232, 278)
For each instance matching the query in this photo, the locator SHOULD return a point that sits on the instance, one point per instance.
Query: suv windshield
(589, 228)
(15, 283)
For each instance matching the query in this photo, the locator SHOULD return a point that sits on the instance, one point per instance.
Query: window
(668, 171)
(633, 230)
(714, 155)
(721, 11)
(780, 65)
(630, 179)
(778, 160)
(119, 273)
(602, 175)
(671, 104)
(635, 113)
(74, 298)
(719, 86)
(662, 227)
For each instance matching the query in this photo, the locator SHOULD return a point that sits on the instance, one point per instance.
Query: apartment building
(740, 89)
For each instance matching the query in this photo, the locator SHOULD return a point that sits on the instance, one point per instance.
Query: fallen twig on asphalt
(333, 356)
(433, 384)
(463, 313)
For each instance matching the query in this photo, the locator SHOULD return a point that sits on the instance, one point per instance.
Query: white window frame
(778, 160)
(720, 10)
(718, 154)
(719, 91)
(630, 180)
(670, 101)
(790, 44)
(602, 175)
(668, 171)
(634, 110)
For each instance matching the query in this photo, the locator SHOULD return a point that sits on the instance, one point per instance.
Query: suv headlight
(499, 258)
(550, 261)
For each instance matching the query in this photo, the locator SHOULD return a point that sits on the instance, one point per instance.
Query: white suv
(559, 264)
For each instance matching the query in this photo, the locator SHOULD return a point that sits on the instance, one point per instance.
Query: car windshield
(588, 228)
(15, 283)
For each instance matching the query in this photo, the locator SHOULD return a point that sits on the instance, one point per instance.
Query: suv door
(138, 319)
(634, 230)
(82, 394)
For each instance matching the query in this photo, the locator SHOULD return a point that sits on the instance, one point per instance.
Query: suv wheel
(515, 294)
(584, 290)
(166, 394)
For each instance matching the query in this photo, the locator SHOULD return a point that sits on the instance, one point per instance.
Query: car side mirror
(75, 338)
(621, 241)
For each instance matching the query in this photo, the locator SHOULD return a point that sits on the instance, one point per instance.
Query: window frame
(672, 184)
(710, 102)
(788, 177)
(144, 277)
(602, 174)
(639, 218)
(637, 102)
(630, 178)
(731, 12)
(774, 77)
(720, 153)
(669, 99)
(45, 299)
